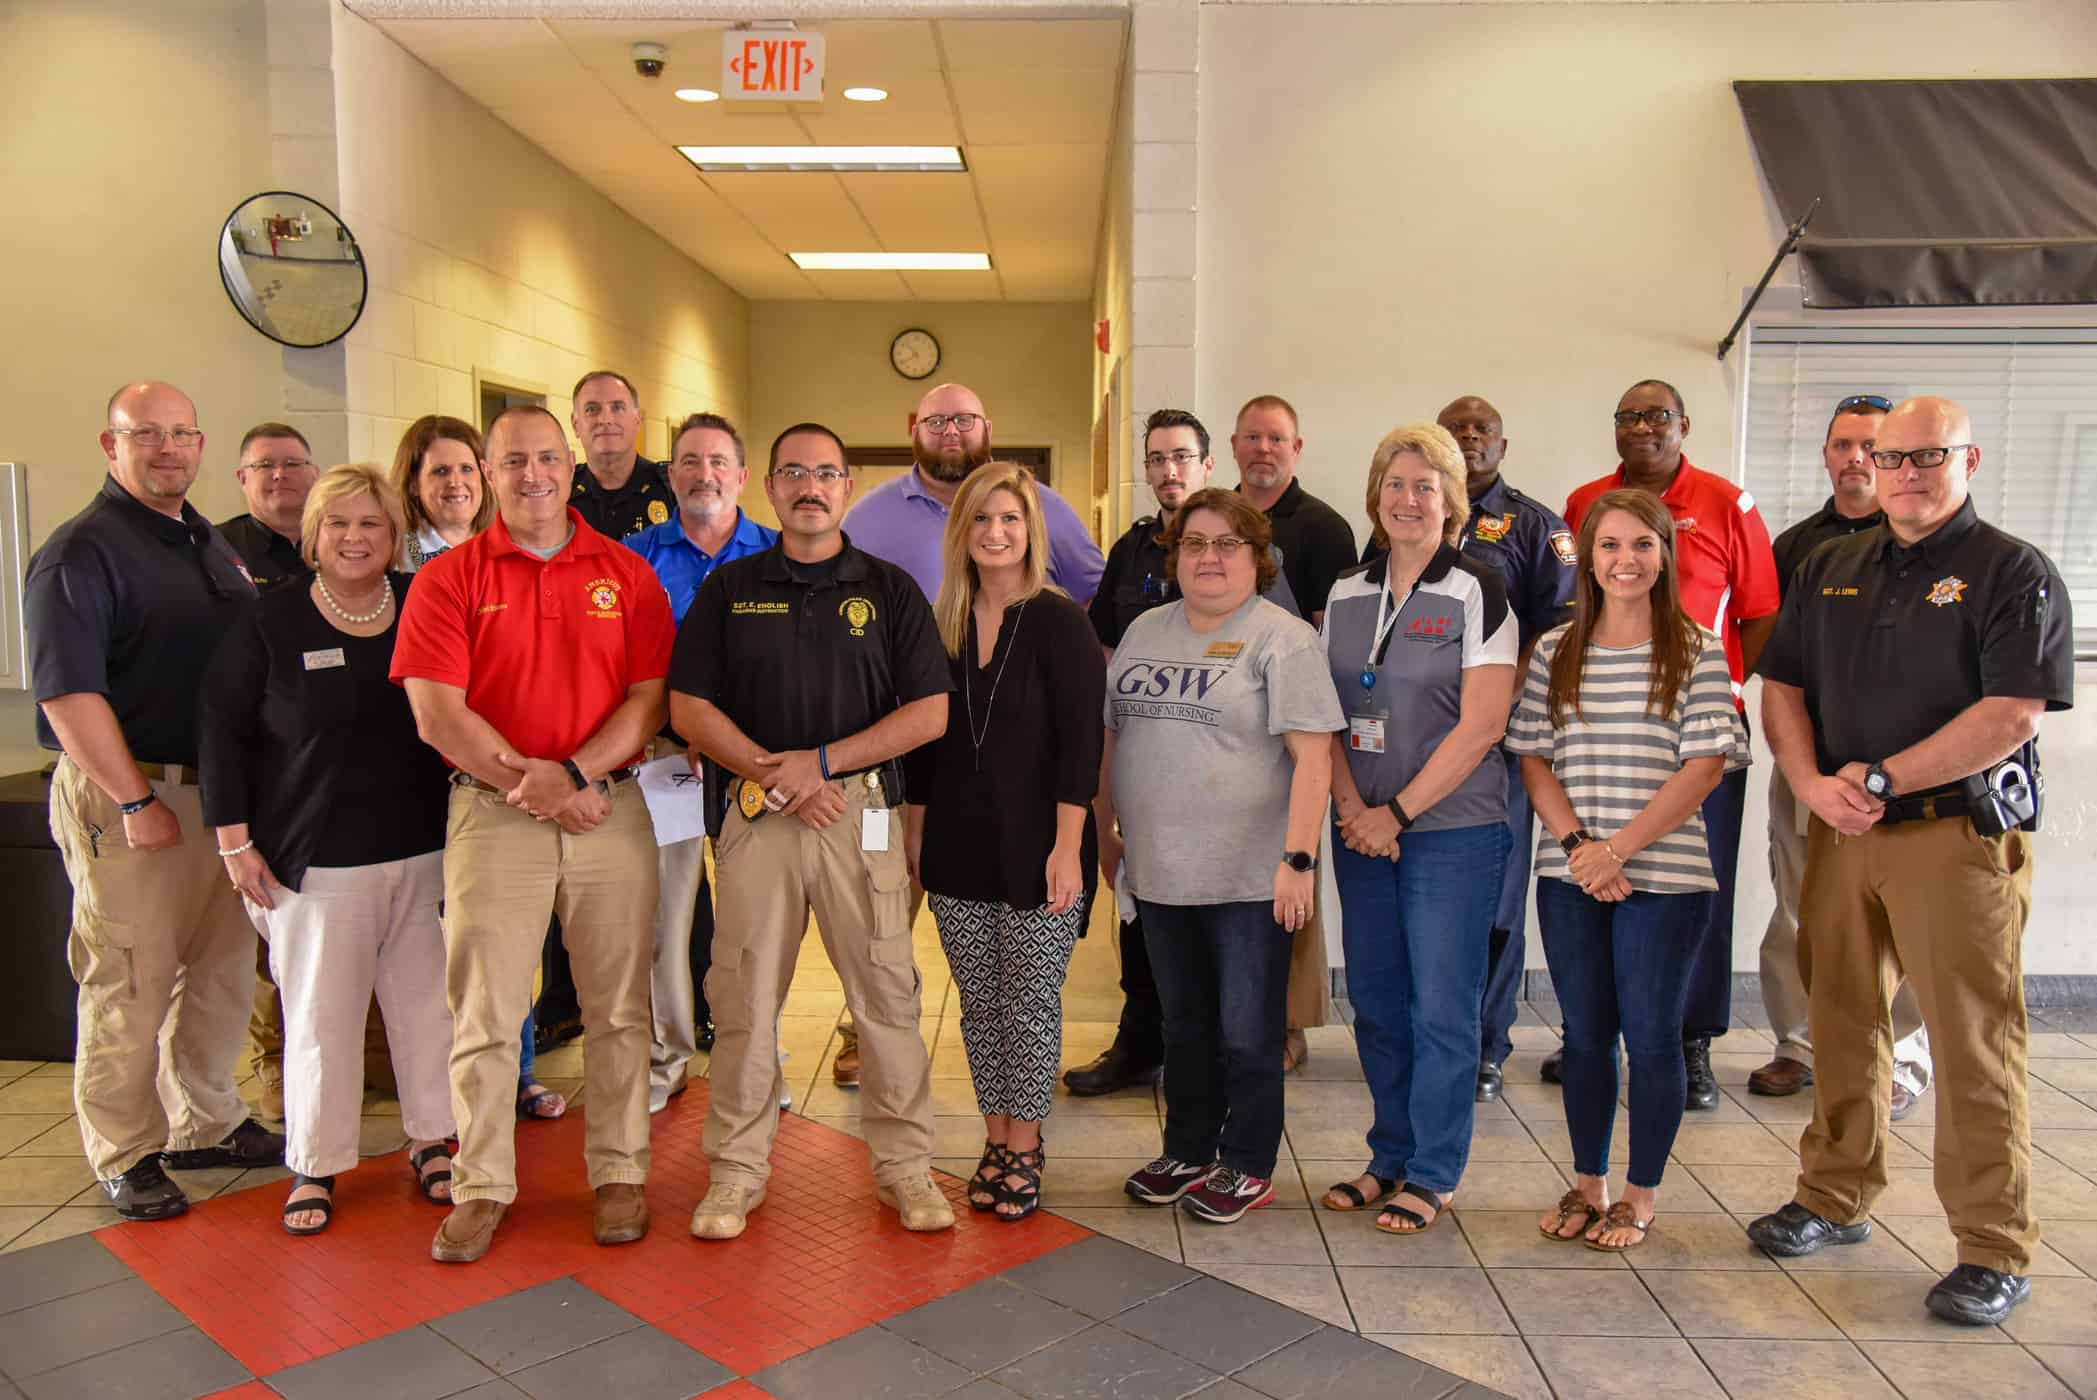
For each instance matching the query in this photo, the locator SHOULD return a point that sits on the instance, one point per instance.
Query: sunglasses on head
(1857, 401)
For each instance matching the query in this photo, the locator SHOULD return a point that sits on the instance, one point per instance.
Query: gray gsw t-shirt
(1201, 773)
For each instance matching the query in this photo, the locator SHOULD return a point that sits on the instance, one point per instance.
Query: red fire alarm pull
(1103, 335)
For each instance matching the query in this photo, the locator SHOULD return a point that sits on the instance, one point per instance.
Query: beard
(942, 465)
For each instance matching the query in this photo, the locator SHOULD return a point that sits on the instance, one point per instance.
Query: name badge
(1365, 733)
(322, 660)
(873, 829)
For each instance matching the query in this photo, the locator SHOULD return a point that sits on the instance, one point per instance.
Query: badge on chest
(1365, 733)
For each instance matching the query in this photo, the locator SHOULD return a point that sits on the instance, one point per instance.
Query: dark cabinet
(36, 913)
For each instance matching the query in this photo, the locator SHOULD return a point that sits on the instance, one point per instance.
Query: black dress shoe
(145, 1193)
(1114, 1069)
(1490, 1082)
(1976, 1296)
(249, 1145)
(1548, 1071)
(705, 1030)
(1703, 1084)
(1794, 1231)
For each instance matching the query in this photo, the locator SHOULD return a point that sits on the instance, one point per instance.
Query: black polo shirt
(127, 603)
(271, 559)
(1316, 544)
(1891, 643)
(644, 500)
(1827, 523)
(801, 655)
(1136, 580)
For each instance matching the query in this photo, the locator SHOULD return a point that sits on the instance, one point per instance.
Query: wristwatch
(132, 809)
(1300, 860)
(1574, 839)
(575, 774)
(1878, 782)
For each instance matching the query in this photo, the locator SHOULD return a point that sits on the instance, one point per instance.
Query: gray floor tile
(988, 1326)
(1104, 1363)
(1335, 1365)
(1227, 1389)
(413, 1365)
(1100, 1277)
(982, 1390)
(1216, 1325)
(870, 1364)
(643, 1364)
(32, 1276)
(493, 1390)
(536, 1325)
(80, 1325)
(175, 1366)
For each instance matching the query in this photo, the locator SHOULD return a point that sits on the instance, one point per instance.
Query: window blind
(2033, 397)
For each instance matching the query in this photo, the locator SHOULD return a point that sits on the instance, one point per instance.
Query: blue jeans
(528, 1054)
(1621, 967)
(1416, 932)
(1223, 979)
(1710, 1005)
(1503, 974)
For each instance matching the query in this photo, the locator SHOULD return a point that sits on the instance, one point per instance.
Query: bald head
(944, 450)
(153, 445)
(1933, 417)
(140, 401)
(1475, 424)
(1920, 496)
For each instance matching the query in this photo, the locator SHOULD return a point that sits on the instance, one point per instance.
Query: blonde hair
(958, 582)
(338, 484)
(1433, 444)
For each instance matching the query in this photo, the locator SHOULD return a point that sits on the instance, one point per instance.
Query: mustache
(818, 502)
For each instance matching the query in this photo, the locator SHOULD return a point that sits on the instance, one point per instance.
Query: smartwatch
(1574, 839)
(1405, 818)
(1300, 861)
(132, 809)
(1878, 782)
(575, 774)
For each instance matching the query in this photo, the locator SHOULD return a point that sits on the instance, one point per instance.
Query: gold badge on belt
(750, 798)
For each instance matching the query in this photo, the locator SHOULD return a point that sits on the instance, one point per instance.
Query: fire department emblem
(1951, 589)
(604, 597)
(1493, 528)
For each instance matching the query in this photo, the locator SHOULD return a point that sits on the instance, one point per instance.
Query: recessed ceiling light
(824, 157)
(698, 95)
(866, 94)
(891, 262)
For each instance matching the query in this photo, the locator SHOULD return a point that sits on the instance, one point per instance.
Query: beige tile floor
(1696, 1312)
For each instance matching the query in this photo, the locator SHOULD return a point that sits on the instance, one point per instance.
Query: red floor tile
(821, 1259)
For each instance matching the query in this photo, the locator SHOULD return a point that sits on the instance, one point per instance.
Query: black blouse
(990, 814)
(306, 740)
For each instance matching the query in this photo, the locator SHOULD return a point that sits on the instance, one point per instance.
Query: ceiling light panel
(943, 158)
(891, 262)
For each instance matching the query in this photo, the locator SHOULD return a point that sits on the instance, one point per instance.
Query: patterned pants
(1009, 964)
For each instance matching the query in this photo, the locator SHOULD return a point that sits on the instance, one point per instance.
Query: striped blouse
(1612, 754)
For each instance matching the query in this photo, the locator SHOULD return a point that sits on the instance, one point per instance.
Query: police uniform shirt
(270, 558)
(1137, 580)
(1316, 544)
(1456, 617)
(645, 499)
(127, 603)
(801, 655)
(1828, 523)
(1531, 549)
(1891, 642)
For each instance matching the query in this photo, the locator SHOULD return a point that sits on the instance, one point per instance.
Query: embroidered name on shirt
(1950, 589)
(1224, 649)
(739, 608)
(1833, 592)
(1428, 628)
(490, 608)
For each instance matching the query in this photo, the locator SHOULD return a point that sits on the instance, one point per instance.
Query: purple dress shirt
(904, 524)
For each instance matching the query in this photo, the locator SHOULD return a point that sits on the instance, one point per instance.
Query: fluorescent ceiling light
(824, 157)
(866, 94)
(891, 262)
(698, 95)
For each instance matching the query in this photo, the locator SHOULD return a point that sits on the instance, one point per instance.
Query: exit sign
(772, 65)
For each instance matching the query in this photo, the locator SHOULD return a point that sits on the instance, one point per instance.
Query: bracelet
(242, 849)
(823, 760)
(132, 809)
(575, 774)
(1610, 846)
(1405, 818)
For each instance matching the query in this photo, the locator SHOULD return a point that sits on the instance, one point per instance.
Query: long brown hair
(1677, 640)
(958, 582)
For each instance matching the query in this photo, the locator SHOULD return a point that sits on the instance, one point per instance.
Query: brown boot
(622, 1214)
(1780, 1078)
(845, 1068)
(467, 1232)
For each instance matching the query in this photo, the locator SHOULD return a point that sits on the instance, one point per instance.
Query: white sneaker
(786, 1093)
(920, 1202)
(725, 1210)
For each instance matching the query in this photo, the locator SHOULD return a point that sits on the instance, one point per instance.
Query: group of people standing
(420, 756)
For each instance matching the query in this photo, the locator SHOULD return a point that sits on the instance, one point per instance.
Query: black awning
(1951, 193)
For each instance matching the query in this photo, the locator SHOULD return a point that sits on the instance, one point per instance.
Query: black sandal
(990, 1170)
(1421, 1224)
(1026, 1166)
(423, 1183)
(325, 1205)
(1347, 1191)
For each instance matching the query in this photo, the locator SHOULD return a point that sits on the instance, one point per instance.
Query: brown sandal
(1572, 1204)
(1620, 1217)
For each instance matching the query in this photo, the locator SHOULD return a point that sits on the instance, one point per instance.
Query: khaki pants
(678, 870)
(1937, 901)
(1785, 963)
(165, 959)
(773, 871)
(504, 874)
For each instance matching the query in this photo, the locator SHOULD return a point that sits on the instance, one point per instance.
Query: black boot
(1703, 1084)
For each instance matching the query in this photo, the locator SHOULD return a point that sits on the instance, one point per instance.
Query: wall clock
(914, 354)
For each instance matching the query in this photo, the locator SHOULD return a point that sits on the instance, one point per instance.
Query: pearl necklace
(358, 619)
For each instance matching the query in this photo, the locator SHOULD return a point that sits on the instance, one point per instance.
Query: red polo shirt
(1723, 564)
(544, 649)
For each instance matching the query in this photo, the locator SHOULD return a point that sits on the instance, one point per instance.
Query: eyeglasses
(1225, 546)
(1924, 458)
(795, 476)
(1877, 402)
(270, 464)
(1182, 458)
(152, 435)
(938, 423)
(1654, 418)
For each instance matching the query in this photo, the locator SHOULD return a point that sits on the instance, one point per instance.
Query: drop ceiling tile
(796, 210)
(954, 286)
(859, 286)
(1013, 45)
(919, 212)
(1033, 192)
(1029, 107)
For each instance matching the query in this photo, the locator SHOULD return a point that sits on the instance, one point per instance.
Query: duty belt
(750, 793)
(461, 778)
(1926, 806)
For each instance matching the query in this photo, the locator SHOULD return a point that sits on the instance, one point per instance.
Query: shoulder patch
(1747, 501)
(1562, 545)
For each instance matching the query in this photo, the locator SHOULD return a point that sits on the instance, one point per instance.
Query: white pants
(347, 934)
(679, 867)
(1783, 990)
